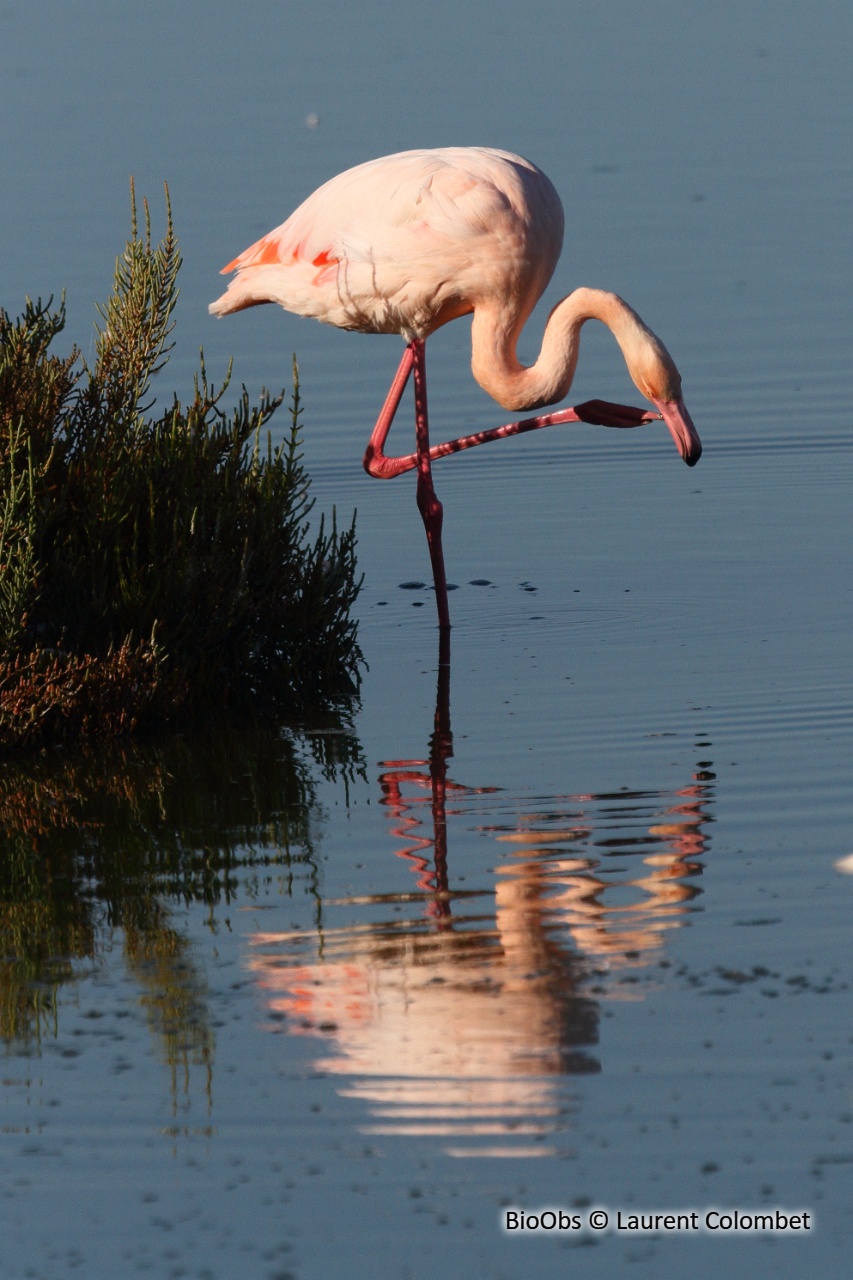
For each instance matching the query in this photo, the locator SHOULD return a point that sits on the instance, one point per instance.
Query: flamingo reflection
(458, 1022)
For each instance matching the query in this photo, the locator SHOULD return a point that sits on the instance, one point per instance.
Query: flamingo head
(673, 410)
(654, 373)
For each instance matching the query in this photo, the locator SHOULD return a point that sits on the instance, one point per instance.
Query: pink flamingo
(408, 242)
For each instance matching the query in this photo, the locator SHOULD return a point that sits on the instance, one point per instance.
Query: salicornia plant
(154, 563)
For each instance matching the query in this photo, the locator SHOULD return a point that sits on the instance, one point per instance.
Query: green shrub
(152, 567)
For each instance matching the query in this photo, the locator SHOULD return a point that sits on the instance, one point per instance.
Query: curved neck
(495, 332)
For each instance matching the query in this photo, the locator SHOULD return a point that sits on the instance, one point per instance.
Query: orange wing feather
(268, 252)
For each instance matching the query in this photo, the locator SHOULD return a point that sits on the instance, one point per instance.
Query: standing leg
(429, 506)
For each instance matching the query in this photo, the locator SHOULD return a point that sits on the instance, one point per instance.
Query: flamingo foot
(601, 413)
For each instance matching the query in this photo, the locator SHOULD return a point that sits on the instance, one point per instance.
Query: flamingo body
(408, 242)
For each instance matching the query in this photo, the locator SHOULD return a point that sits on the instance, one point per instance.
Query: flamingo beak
(681, 428)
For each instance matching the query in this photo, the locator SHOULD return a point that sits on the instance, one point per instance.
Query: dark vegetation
(153, 568)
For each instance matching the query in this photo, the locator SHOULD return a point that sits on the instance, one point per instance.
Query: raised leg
(375, 462)
(378, 464)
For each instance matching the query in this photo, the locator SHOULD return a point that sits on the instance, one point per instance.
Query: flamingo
(405, 243)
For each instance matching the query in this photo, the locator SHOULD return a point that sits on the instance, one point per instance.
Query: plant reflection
(457, 1022)
(108, 846)
(453, 1008)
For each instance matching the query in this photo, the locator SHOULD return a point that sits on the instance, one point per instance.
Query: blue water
(567, 928)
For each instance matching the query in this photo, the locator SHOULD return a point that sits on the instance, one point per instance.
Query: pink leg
(378, 464)
(375, 462)
(429, 506)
